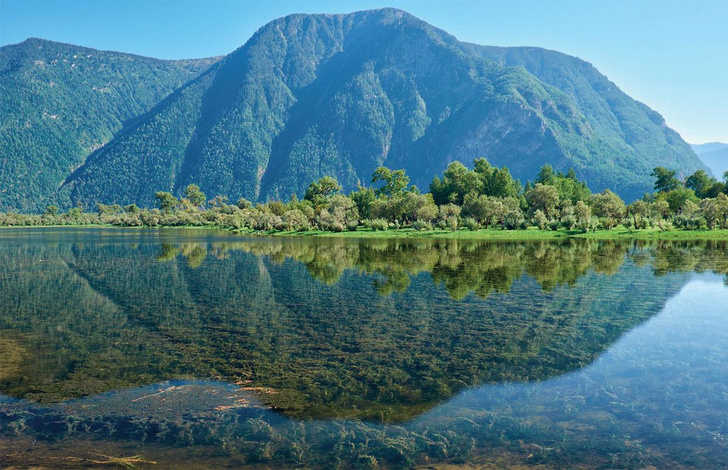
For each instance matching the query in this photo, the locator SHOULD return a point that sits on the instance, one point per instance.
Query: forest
(485, 197)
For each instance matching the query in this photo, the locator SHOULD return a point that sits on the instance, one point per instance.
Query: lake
(197, 349)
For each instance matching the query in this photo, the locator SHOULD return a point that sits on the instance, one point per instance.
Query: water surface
(198, 349)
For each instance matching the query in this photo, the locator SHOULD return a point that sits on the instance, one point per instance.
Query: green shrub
(379, 225)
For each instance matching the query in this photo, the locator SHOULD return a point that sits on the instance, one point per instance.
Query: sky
(670, 54)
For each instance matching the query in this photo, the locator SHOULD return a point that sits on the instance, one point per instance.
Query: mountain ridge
(45, 135)
(714, 155)
(340, 94)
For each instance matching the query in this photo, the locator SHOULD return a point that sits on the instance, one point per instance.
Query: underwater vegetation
(336, 352)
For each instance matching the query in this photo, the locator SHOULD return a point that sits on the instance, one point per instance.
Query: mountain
(314, 95)
(61, 102)
(377, 330)
(701, 149)
(714, 155)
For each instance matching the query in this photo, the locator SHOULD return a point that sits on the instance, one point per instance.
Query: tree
(395, 181)
(678, 197)
(608, 206)
(659, 211)
(711, 211)
(545, 198)
(195, 195)
(167, 201)
(665, 180)
(295, 220)
(51, 210)
(457, 181)
(340, 214)
(583, 214)
(722, 201)
(699, 182)
(411, 206)
(501, 184)
(484, 209)
(638, 210)
(546, 175)
(363, 198)
(321, 190)
(244, 203)
(103, 209)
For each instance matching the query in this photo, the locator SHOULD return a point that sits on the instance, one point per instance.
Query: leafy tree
(340, 214)
(295, 220)
(665, 180)
(545, 198)
(540, 219)
(321, 190)
(711, 211)
(484, 209)
(456, 182)
(276, 208)
(546, 175)
(426, 212)
(363, 198)
(609, 207)
(567, 185)
(51, 210)
(659, 211)
(582, 214)
(699, 182)
(639, 209)
(103, 209)
(395, 181)
(244, 203)
(447, 216)
(195, 195)
(678, 197)
(167, 201)
(497, 182)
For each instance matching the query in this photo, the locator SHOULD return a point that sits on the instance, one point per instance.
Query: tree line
(485, 196)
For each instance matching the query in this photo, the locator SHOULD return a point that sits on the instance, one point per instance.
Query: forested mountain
(339, 95)
(61, 102)
(625, 133)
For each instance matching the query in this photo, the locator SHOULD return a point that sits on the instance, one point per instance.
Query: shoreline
(461, 234)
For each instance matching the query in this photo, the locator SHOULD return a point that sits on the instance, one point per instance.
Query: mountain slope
(61, 102)
(637, 137)
(714, 155)
(314, 95)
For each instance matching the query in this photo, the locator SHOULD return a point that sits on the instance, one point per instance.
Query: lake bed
(201, 348)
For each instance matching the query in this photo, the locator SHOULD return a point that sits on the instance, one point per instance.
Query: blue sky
(671, 55)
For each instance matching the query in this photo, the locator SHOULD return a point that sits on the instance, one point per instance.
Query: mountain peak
(328, 94)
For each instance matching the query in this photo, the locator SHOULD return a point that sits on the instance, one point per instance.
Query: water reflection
(379, 331)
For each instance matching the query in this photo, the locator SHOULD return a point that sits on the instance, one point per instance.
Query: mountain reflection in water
(312, 329)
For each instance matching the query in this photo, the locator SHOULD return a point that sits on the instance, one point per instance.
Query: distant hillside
(339, 95)
(714, 155)
(62, 102)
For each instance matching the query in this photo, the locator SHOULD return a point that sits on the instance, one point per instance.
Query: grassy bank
(532, 233)
(490, 234)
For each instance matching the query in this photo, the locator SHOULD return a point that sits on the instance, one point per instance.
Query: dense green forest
(62, 102)
(486, 197)
(309, 96)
